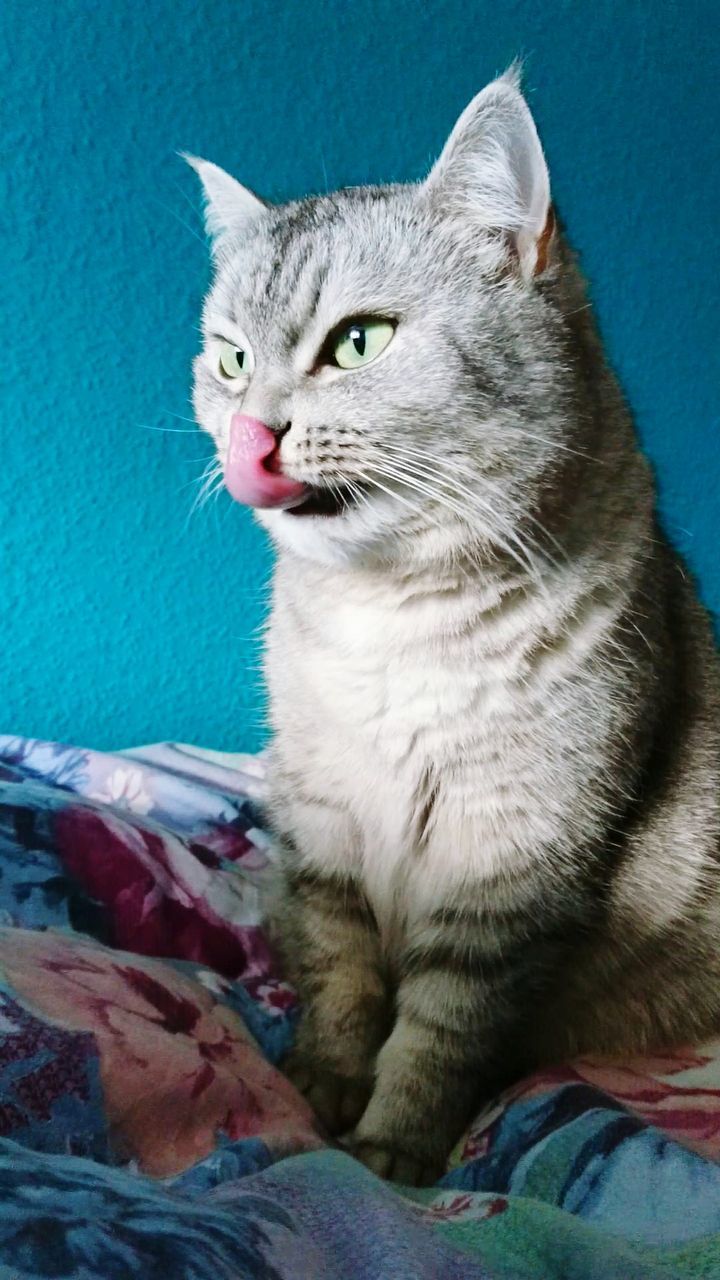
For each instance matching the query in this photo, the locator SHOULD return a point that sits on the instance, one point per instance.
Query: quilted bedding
(145, 1130)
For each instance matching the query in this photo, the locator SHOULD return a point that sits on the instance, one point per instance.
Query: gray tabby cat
(494, 694)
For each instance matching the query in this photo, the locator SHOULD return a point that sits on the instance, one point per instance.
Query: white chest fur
(427, 722)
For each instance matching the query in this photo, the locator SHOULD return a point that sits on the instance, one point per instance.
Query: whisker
(520, 433)
(178, 431)
(450, 470)
(191, 203)
(189, 483)
(419, 510)
(576, 312)
(519, 552)
(181, 417)
(211, 476)
(464, 514)
(392, 493)
(174, 214)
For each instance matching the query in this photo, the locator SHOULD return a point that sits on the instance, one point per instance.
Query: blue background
(123, 621)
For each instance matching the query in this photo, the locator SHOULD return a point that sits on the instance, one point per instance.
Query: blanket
(146, 1130)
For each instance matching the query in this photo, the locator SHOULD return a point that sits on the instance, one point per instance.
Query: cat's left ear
(493, 171)
(229, 206)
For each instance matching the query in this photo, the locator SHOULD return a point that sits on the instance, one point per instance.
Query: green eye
(361, 341)
(234, 362)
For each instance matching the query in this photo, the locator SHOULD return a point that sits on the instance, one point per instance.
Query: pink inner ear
(544, 242)
(252, 452)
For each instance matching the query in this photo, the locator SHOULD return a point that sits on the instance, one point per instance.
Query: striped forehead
(286, 276)
(279, 283)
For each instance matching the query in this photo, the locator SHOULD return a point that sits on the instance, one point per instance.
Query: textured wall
(125, 623)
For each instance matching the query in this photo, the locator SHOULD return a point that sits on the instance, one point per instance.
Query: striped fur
(494, 694)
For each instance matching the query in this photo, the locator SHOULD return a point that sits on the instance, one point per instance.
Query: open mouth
(326, 502)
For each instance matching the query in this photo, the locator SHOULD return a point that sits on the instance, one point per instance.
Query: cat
(493, 691)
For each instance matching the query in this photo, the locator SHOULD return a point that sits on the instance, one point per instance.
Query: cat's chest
(415, 708)
(409, 736)
(410, 682)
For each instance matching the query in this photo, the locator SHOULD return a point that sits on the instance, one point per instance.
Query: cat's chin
(345, 534)
(365, 535)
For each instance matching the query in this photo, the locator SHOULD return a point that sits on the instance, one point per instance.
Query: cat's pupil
(240, 357)
(358, 340)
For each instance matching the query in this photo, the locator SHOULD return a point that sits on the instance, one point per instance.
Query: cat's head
(383, 368)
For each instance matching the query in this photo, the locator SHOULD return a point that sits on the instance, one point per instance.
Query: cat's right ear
(229, 206)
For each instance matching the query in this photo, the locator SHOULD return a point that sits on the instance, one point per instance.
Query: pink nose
(252, 472)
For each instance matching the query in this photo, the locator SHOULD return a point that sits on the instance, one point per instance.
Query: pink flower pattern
(678, 1092)
(177, 1067)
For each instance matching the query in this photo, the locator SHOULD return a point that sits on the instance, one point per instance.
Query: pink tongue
(246, 477)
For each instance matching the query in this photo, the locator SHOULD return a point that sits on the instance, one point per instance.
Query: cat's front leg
(333, 957)
(448, 1051)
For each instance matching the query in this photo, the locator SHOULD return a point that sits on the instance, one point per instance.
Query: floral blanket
(146, 1133)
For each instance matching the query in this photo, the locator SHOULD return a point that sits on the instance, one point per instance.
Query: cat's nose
(253, 472)
(255, 439)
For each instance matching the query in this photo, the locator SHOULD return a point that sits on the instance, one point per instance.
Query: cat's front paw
(338, 1101)
(395, 1165)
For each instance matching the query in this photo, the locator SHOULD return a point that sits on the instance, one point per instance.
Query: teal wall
(123, 621)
